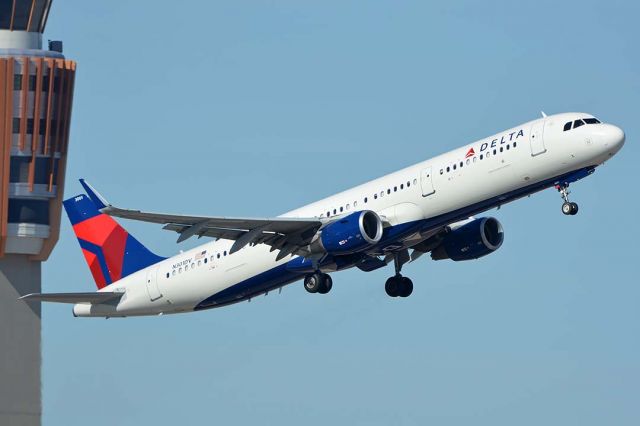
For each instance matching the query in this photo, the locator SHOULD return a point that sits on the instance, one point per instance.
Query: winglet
(97, 199)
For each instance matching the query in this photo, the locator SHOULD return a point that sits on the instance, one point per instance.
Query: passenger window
(375, 196)
(335, 211)
(341, 209)
(218, 255)
(408, 184)
(461, 164)
(454, 166)
(205, 260)
(381, 194)
(508, 147)
(348, 206)
(355, 204)
(495, 152)
(448, 169)
(501, 149)
(577, 123)
(514, 144)
(225, 252)
(482, 156)
(174, 272)
(567, 126)
(167, 275)
(389, 191)
(415, 181)
(395, 189)
(402, 186)
(469, 161)
(365, 200)
(441, 171)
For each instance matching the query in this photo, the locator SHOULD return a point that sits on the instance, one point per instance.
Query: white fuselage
(445, 189)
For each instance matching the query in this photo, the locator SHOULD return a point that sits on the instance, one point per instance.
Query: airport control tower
(36, 92)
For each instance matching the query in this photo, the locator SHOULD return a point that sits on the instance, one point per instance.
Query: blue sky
(254, 108)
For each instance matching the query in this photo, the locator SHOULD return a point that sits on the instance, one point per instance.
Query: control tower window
(16, 125)
(29, 211)
(17, 81)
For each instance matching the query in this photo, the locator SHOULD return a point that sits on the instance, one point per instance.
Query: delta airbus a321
(425, 208)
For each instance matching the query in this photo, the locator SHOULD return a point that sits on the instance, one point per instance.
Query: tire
(567, 208)
(392, 287)
(327, 284)
(574, 209)
(313, 283)
(406, 287)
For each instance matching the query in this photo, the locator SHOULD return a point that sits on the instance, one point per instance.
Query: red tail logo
(470, 153)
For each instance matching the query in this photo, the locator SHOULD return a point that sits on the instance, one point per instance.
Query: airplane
(429, 207)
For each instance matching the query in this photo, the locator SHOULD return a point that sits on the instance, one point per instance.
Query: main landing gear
(568, 207)
(398, 286)
(318, 283)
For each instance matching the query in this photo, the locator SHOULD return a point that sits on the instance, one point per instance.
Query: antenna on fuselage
(543, 114)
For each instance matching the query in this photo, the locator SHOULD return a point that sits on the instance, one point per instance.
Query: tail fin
(110, 251)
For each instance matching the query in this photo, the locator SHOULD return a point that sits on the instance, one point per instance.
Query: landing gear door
(536, 138)
(426, 181)
(152, 284)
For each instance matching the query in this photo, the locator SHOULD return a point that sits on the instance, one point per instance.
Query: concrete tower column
(36, 92)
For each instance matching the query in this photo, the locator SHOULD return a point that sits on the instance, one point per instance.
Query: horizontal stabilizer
(92, 297)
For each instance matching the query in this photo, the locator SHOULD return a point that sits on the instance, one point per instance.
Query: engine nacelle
(351, 234)
(472, 240)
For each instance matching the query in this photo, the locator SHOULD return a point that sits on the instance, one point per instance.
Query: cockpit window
(578, 123)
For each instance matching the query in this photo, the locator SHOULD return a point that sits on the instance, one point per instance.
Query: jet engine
(350, 234)
(472, 240)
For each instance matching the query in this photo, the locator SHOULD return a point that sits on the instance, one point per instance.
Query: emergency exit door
(426, 181)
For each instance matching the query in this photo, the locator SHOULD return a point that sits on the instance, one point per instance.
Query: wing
(289, 235)
(93, 297)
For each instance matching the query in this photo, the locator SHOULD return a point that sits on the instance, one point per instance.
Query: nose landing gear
(568, 207)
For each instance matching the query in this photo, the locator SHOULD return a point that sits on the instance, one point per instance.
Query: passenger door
(152, 284)
(536, 138)
(426, 181)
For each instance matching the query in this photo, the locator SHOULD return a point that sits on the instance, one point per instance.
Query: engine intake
(351, 234)
(472, 240)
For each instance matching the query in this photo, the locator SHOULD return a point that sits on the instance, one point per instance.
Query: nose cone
(614, 137)
(611, 137)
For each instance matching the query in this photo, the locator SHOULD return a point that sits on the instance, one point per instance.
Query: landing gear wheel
(392, 286)
(570, 208)
(574, 209)
(406, 287)
(313, 282)
(327, 284)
